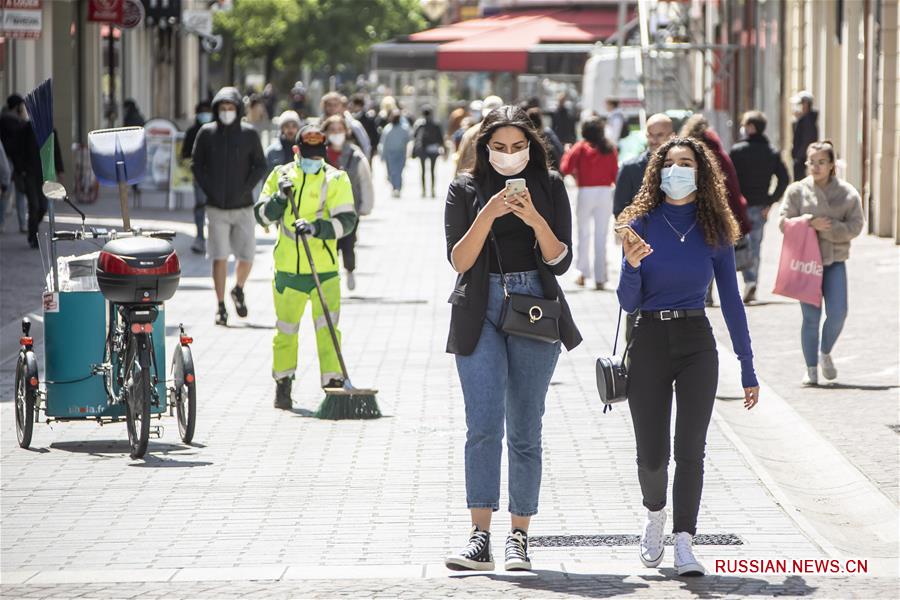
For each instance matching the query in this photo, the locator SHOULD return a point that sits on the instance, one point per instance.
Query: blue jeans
(199, 209)
(504, 382)
(834, 297)
(12, 194)
(756, 235)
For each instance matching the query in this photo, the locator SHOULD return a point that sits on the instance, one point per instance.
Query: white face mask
(337, 139)
(227, 116)
(509, 164)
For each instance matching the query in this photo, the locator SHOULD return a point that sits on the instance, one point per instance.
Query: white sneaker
(829, 371)
(811, 378)
(652, 538)
(351, 281)
(685, 562)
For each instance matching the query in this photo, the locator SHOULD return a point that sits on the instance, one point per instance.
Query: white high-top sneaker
(652, 547)
(829, 371)
(685, 562)
(811, 378)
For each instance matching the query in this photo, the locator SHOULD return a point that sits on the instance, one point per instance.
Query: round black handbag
(612, 375)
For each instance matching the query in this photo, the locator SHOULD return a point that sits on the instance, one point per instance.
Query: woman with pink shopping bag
(824, 208)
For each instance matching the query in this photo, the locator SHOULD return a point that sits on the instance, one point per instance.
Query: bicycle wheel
(185, 392)
(137, 412)
(26, 392)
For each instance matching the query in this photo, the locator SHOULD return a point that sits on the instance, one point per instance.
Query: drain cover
(559, 541)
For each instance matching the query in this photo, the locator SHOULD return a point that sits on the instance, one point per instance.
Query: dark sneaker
(222, 316)
(237, 295)
(476, 556)
(334, 383)
(517, 558)
(283, 393)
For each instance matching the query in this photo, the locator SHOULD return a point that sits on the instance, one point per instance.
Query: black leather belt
(669, 315)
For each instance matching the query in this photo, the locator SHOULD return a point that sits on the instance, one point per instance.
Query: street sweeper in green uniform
(306, 197)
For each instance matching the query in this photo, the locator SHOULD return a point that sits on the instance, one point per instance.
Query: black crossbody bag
(612, 375)
(527, 316)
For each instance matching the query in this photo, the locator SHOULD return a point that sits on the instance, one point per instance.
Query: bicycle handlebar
(105, 234)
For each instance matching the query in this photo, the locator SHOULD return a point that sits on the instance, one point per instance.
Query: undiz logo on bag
(807, 268)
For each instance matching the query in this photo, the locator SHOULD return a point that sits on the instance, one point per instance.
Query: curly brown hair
(715, 217)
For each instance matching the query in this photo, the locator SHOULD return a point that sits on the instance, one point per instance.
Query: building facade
(846, 54)
(157, 67)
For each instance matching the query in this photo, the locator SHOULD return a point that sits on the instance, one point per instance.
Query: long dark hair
(508, 116)
(713, 213)
(593, 132)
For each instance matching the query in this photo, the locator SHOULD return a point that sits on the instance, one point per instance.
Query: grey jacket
(839, 201)
(353, 161)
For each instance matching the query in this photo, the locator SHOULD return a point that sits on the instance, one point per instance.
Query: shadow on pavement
(586, 586)
(242, 325)
(856, 386)
(716, 586)
(380, 300)
(116, 449)
(607, 586)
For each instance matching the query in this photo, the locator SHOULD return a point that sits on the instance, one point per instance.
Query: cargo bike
(104, 335)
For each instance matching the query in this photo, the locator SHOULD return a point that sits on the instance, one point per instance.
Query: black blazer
(628, 182)
(470, 295)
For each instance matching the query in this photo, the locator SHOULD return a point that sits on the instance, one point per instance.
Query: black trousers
(662, 353)
(347, 247)
(37, 204)
(433, 161)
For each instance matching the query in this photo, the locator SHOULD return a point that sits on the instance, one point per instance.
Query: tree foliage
(322, 34)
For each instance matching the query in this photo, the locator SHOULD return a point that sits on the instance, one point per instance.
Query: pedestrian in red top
(595, 163)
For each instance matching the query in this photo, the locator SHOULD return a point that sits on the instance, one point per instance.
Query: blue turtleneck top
(677, 274)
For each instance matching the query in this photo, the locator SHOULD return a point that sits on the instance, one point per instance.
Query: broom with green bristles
(347, 402)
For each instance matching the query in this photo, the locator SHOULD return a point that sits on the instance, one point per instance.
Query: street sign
(200, 21)
(105, 11)
(21, 18)
(132, 14)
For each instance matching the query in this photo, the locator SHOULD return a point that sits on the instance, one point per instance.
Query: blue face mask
(311, 166)
(678, 182)
(204, 117)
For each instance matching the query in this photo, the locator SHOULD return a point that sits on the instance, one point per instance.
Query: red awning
(502, 42)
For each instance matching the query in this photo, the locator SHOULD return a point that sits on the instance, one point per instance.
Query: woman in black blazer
(505, 377)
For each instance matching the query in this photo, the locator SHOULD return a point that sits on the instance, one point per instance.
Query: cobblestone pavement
(541, 585)
(262, 492)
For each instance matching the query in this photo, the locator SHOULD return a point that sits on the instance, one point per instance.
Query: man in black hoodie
(756, 162)
(806, 131)
(228, 162)
(204, 115)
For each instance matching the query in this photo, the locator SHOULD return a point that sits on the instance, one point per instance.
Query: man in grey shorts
(228, 162)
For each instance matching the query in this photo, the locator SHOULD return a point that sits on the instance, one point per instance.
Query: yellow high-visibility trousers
(290, 305)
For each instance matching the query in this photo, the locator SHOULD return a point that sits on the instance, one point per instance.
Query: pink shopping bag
(800, 267)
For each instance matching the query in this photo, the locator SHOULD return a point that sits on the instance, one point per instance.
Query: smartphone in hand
(629, 232)
(515, 186)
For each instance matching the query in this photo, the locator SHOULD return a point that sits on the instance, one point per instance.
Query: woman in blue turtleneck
(687, 230)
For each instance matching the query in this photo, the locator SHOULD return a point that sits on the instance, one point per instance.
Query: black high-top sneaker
(237, 296)
(283, 393)
(517, 558)
(476, 556)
